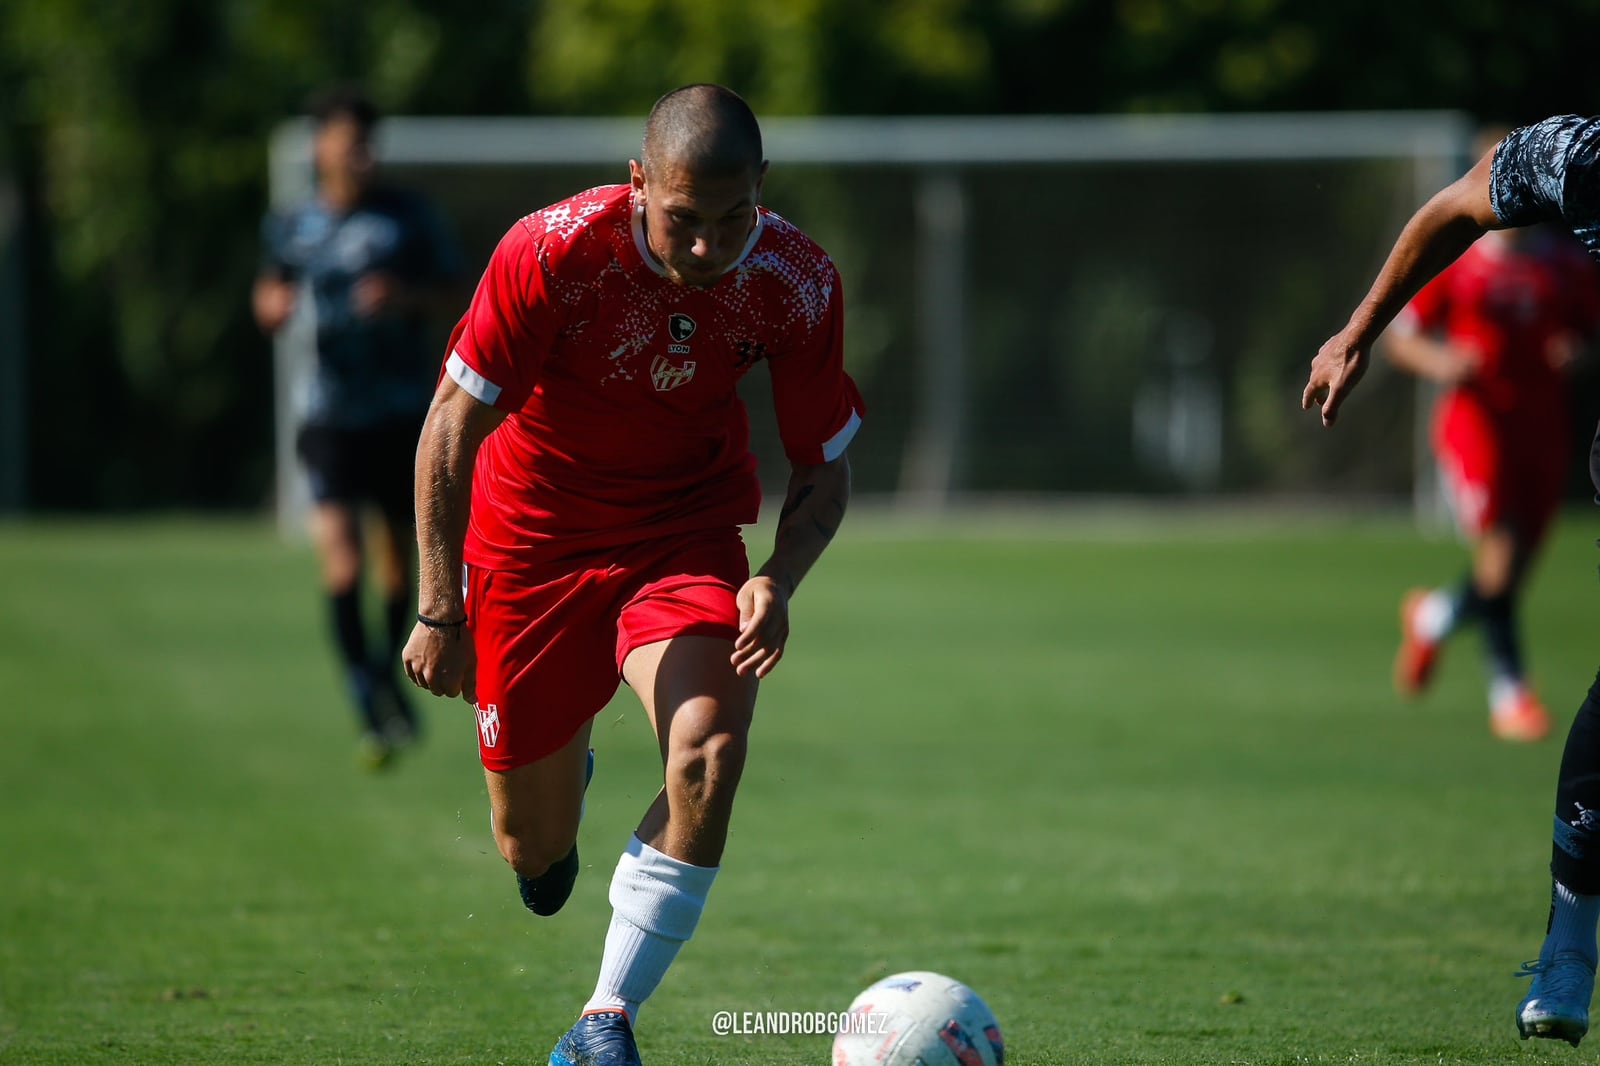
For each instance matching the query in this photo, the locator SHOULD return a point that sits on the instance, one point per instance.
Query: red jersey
(624, 422)
(1508, 303)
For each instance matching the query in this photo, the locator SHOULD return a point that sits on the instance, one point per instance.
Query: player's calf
(546, 890)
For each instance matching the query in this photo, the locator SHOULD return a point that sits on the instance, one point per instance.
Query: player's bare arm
(812, 511)
(438, 657)
(1440, 362)
(1437, 234)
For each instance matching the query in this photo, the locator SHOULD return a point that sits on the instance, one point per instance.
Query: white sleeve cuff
(835, 445)
(477, 386)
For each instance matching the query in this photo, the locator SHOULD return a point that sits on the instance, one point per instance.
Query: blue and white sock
(656, 902)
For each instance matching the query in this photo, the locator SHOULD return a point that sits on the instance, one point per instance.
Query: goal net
(1036, 306)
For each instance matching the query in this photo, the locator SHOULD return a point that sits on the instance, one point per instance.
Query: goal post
(13, 349)
(956, 224)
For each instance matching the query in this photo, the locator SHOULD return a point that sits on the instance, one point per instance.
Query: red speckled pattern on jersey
(620, 385)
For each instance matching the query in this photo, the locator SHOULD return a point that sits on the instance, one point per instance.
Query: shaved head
(703, 129)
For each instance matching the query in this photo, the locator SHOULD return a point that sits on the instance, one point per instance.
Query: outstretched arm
(439, 657)
(1441, 230)
(1441, 362)
(812, 510)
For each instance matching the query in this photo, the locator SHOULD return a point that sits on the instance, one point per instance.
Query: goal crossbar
(941, 149)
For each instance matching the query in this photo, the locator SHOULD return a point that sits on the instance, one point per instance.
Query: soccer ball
(918, 1019)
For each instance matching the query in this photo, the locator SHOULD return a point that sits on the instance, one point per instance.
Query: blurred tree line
(137, 132)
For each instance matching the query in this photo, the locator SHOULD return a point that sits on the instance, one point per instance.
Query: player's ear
(761, 176)
(636, 178)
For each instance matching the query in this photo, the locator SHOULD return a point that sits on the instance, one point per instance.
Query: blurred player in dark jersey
(1545, 172)
(368, 263)
(587, 459)
(1497, 330)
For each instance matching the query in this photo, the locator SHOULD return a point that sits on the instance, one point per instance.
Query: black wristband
(436, 623)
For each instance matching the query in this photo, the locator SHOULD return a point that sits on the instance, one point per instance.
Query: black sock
(398, 620)
(1575, 856)
(351, 640)
(348, 634)
(1500, 637)
(1467, 603)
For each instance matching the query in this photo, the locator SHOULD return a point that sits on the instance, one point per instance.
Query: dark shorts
(374, 465)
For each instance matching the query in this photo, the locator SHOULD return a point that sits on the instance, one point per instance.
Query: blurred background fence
(1123, 324)
(1036, 305)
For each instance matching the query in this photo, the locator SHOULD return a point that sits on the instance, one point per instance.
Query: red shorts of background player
(551, 639)
(1499, 474)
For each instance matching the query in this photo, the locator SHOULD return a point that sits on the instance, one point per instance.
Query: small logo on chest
(681, 326)
(665, 374)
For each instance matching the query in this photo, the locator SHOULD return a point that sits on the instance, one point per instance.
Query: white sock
(1572, 923)
(1436, 616)
(656, 902)
(1502, 690)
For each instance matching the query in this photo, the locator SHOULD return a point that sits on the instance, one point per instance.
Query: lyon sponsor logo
(489, 724)
(667, 376)
(681, 327)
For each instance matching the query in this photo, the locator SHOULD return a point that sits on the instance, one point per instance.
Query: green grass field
(1144, 787)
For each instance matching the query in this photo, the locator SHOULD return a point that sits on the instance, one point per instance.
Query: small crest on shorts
(489, 724)
(681, 326)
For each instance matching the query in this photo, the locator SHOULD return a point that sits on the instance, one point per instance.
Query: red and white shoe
(1519, 717)
(1416, 657)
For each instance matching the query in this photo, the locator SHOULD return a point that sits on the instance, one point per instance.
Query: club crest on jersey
(667, 376)
(681, 326)
(489, 724)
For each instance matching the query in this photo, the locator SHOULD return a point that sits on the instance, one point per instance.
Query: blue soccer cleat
(600, 1038)
(1557, 1004)
(548, 893)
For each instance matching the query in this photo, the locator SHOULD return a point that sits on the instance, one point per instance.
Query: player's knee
(531, 852)
(341, 572)
(1493, 582)
(710, 767)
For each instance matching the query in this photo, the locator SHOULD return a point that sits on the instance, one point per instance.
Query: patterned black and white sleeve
(1529, 176)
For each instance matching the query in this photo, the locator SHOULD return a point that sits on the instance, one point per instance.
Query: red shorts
(1500, 475)
(551, 639)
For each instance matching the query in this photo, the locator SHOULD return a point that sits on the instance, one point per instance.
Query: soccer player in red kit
(587, 459)
(1497, 329)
